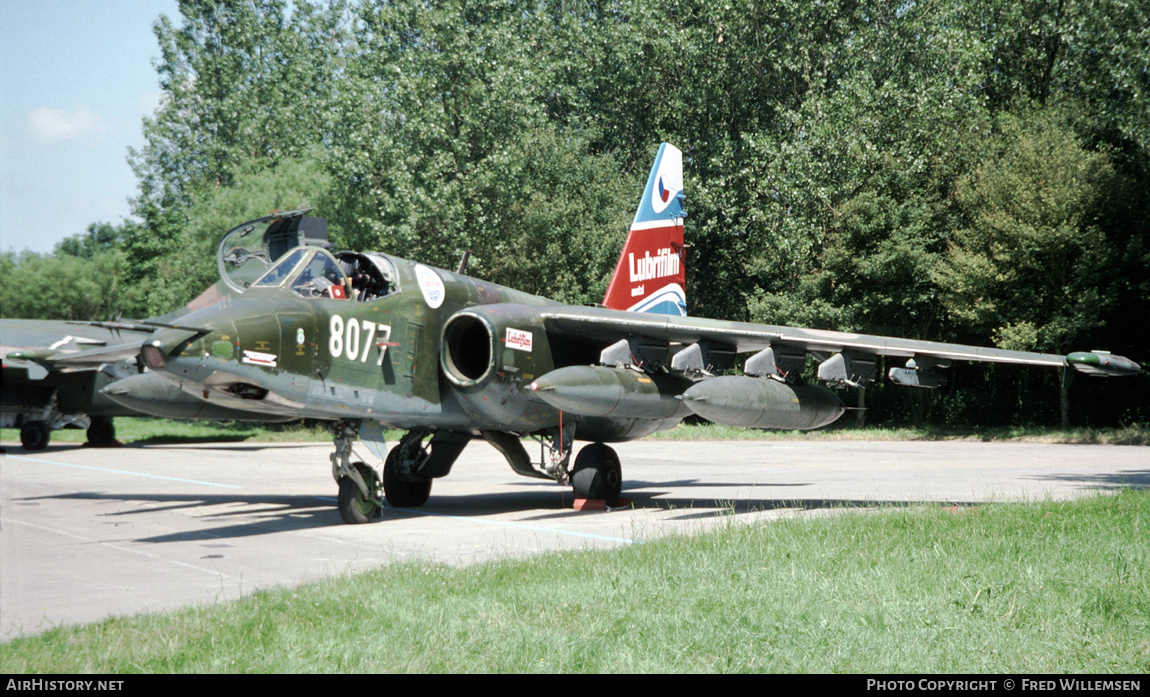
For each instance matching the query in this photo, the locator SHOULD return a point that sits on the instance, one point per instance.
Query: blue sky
(76, 80)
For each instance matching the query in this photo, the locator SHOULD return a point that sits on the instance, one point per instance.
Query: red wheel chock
(599, 504)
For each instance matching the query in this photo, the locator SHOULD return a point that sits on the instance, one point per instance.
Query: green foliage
(539, 237)
(1033, 265)
(445, 146)
(38, 286)
(246, 86)
(437, 99)
(191, 266)
(100, 238)
(84, 279)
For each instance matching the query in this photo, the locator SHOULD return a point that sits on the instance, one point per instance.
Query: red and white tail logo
(650, 275)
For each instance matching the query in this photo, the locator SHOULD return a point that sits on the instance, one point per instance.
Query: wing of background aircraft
(55, 372)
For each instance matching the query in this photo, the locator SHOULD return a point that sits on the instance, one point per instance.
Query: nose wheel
(354, 506)
(359, 499)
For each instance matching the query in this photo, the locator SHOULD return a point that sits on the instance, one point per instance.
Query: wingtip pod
(31, 355)
(1102, 363)
(650, 275)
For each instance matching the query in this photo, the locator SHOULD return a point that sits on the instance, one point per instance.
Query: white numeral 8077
(350, 336)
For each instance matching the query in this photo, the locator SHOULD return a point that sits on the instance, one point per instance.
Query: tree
(445, 144)
(84, 279)
(1032, 267)
(246, 85)
(191, 267)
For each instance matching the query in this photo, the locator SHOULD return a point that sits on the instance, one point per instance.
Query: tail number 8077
(347, 337)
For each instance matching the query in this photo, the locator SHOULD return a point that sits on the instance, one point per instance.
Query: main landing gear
(597, 474)
(402, 485)
(411, 466)
(407, 471)
(102, 432)
(35, 435)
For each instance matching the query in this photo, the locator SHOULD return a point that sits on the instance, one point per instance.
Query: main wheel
(35, 435)
(399, 491)
(354, 507)
(597, 474)
(102, 433)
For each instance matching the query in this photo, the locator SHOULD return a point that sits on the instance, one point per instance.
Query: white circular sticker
(431, 285)
(299, 337)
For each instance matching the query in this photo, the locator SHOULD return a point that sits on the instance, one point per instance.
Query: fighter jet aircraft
(59, 374)
(369, 340)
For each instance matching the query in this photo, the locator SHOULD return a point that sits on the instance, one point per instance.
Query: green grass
(1032, 588)
(1129, 435)
(156, 431)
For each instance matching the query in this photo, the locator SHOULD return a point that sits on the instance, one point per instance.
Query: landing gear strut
(359, 486)
(402, 487)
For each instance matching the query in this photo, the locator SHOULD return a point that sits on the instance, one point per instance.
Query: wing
(844, 357)
(60, 345)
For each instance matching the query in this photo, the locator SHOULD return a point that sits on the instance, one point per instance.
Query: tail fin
(650, 275)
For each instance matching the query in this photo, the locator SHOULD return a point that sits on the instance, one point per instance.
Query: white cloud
(51, 126)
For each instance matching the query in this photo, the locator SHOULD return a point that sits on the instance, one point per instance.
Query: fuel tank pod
(615, 392)
(150, 394)
(763, 403)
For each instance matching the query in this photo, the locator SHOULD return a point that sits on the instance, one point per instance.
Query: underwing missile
(1102, 363)
(148, 393)
(618, 392)
(916, 378)
(763, 403)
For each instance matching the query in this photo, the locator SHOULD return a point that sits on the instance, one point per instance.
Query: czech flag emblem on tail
(651, 275)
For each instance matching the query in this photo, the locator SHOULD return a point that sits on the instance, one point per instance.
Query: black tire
(102, 433)
(35, 435)
(354, 507)
(597, 474)
(403, 492)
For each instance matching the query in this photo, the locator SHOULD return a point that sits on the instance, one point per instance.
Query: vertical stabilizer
(651, 275)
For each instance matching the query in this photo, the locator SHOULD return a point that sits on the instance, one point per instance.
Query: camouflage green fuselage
(442, 351)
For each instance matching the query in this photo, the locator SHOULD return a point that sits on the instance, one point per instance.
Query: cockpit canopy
(315, 273)
(248, 250)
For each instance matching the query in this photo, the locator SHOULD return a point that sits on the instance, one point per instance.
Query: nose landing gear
(359, 486)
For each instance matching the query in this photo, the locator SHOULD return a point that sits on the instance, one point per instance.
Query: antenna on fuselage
(463, 261)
